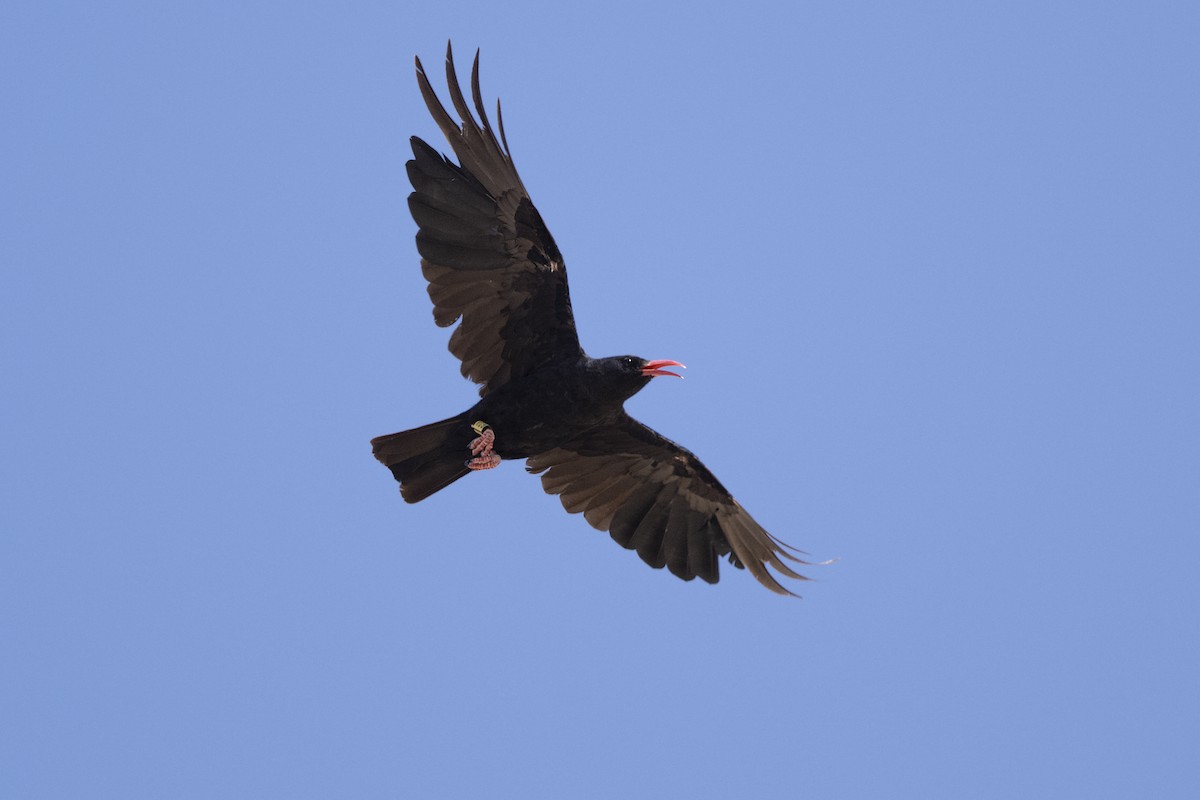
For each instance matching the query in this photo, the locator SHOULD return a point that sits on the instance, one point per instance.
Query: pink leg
(481, 448)
(484, 442)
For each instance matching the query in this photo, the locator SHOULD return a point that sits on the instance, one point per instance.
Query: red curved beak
(654, 369)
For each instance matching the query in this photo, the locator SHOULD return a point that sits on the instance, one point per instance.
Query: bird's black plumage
(494, 268)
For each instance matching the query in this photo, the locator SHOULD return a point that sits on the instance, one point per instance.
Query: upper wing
(655, 497)
(485, 251)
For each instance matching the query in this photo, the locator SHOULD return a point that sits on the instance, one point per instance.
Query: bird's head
(628, 374)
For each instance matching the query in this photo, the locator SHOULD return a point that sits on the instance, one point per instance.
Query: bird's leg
(481, 447)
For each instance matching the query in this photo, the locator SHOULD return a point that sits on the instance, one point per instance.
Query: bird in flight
(493, 267)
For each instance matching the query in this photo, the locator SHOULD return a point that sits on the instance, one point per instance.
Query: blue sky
(935, 271)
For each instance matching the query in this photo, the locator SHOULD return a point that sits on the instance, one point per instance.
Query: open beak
(654, 369)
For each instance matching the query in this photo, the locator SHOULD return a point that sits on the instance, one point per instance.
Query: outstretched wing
(655, 497)
(488, 257)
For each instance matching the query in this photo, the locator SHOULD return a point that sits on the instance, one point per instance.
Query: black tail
(426, 459)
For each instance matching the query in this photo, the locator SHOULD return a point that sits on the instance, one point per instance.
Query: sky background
(934, 269)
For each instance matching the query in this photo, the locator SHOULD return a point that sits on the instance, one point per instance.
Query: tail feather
(426, 459)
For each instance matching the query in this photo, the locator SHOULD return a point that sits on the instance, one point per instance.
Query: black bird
(491, 263)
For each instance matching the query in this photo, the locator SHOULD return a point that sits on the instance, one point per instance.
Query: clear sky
(934, 269)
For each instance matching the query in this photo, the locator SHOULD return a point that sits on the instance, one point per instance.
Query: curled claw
(490, 461)
(482, 445)
(481, 448)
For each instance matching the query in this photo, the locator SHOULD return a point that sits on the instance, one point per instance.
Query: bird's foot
(482, 444)
(481, 448)
(490, 461)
